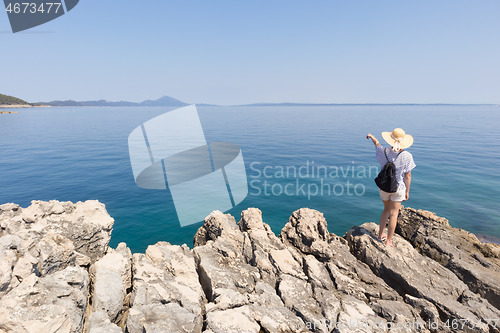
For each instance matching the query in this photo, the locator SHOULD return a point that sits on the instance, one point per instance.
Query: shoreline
(58, 270)
(487, 238)
(22, 106)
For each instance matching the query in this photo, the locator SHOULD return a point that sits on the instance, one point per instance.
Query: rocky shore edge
(58, 274)
(22, 106)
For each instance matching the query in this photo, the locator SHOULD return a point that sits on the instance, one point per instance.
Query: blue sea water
(76, 154)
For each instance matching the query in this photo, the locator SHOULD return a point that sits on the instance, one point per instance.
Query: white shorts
(399, 195)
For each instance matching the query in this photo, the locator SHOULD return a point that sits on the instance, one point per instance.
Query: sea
(294, 156)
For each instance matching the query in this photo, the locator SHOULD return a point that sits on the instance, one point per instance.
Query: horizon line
(175, 102)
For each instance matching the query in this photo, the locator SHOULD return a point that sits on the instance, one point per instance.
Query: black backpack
(386, 179)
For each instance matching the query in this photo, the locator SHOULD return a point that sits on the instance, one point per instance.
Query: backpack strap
(397, 156)
(385, 152)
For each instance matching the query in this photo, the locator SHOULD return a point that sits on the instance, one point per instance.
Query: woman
(403, 162)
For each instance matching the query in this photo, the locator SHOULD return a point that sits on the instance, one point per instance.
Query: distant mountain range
(170, 101)
(162, 101)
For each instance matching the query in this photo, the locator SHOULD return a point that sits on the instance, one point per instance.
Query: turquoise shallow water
(81, 153)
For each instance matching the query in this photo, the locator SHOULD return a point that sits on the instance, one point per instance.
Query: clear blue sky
(235, 52)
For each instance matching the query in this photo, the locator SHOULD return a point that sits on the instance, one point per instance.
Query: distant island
(10, 100)
(14, 102)
(162, 101)
(7, 102)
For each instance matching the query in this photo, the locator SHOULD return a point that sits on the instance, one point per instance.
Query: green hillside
(9, 100)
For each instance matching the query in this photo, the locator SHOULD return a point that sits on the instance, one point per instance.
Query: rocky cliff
(57, 274)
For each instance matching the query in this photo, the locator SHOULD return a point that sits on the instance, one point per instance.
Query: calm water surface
(76, 154)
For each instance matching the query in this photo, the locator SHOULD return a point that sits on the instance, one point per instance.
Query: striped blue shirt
(404, 163)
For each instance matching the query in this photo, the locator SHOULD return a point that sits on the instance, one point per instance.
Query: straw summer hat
(398, 139)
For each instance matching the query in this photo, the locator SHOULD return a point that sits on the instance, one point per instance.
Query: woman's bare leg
(383, 218)
(393, 220)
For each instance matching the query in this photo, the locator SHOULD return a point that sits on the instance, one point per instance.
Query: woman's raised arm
(374, 140)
